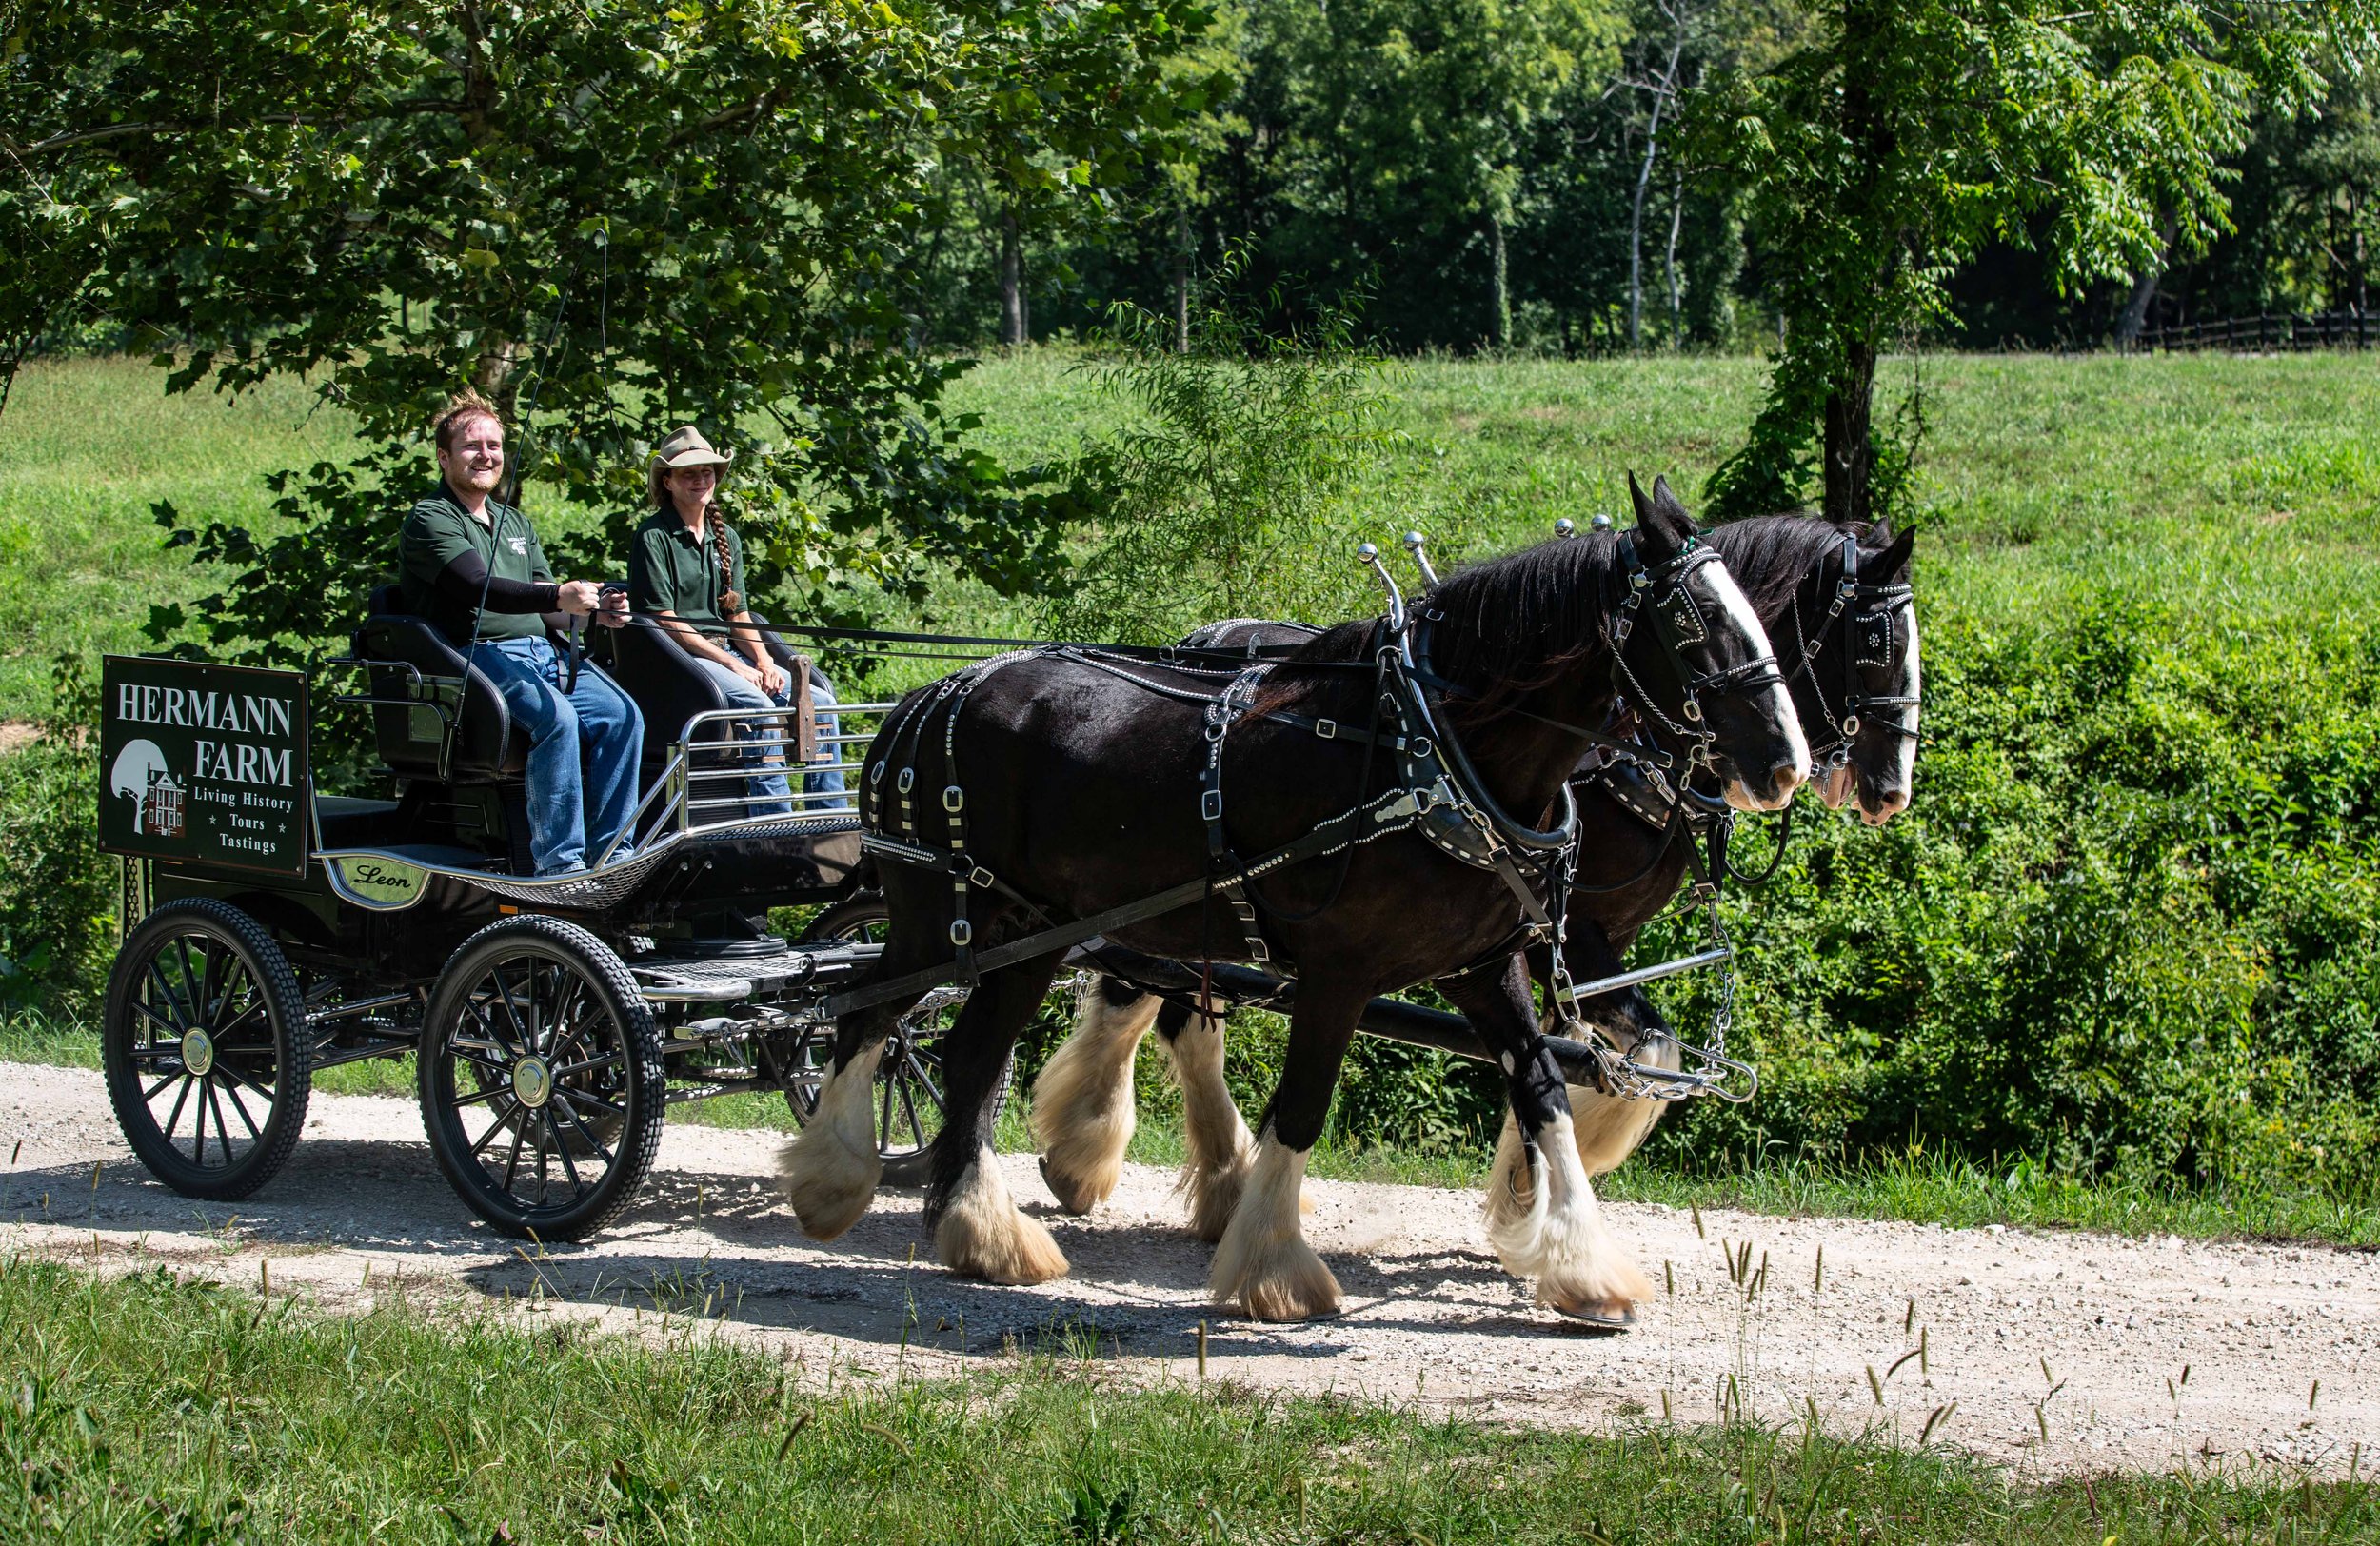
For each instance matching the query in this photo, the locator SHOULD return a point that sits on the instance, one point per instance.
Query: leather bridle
(1865, 613)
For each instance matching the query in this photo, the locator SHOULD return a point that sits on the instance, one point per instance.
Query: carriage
(271, 931)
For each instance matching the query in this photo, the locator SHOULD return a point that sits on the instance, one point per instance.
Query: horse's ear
(1664, 527)
(1894, 562)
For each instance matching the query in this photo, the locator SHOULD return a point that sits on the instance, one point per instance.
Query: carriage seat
(668, 683)
(410, 734)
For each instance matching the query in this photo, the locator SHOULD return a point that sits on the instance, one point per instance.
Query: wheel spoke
(562, 1152)
(195, 981)
(223, 1129)
(512, 1160)
(502, 1119)
(234, 974)
(584, 1098)
(198, 1130)
(184, 1093)
(918, 1065)
(608, 1060)
(909, 1108)
(489, 1094)
(264, 1091)
(173, 1032)
(180, 1023)
(587, 1133)
(150, 1094)
(254, 1135)
(504, 996)
(543, 1132)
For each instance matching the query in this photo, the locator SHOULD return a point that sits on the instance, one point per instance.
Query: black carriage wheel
(541, 1078)
(209, 1055)
(909, 1078)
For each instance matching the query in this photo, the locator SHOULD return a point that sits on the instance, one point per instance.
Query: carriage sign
(203, 763)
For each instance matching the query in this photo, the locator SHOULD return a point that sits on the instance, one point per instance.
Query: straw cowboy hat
(686, 448)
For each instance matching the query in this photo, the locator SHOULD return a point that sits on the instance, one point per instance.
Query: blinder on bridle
(1866, 613)
(1678, 622)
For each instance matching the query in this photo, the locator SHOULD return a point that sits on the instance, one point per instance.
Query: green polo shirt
(437, 531)
(669, 571)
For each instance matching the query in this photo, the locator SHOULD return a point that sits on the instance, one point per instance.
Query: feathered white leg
(1083, 1106)
(982, 1235)
(1552, 1230)
(1263, 1264)
(1219, 1147)
(828, 1173)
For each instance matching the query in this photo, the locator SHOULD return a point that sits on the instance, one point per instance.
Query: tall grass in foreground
(149, 1409)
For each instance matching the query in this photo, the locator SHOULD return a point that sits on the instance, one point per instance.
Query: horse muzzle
(1775, 792)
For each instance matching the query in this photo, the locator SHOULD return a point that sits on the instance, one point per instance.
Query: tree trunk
(1849, 442)
(1014, 325)
(2136, 313)
(1182, 279)
(1636, 208)
(1502, 300)
(1669, 259)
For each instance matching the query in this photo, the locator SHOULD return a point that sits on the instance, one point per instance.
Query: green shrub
(2127, 927)
(57, 890)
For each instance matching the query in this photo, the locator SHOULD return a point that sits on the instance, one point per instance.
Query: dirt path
(1431, 1318)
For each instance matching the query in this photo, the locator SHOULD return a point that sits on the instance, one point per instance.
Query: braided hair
(730, 600)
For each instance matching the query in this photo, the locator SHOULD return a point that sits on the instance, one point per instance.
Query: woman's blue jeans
(771, 793)
(582, 750)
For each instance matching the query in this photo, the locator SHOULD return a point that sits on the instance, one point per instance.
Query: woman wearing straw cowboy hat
(685, 568)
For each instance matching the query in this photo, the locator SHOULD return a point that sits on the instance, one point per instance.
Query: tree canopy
(612, 215)
(1904, 134)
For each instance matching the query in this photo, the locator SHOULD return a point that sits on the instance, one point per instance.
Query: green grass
(86, 448)
(2239, 488)
(148, 1409)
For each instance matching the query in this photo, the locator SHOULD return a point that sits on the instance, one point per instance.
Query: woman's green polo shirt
(669, 571)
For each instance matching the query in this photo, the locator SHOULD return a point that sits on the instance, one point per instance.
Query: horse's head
(1705, 667)
(1861, 685)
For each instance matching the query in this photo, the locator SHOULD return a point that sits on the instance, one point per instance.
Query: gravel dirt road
(1998, 1337)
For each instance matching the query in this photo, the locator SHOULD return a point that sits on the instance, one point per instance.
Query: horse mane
(1770, 556)
(1514, 623)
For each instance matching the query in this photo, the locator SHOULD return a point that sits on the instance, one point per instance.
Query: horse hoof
(1076, 1196)
(1609, 1315)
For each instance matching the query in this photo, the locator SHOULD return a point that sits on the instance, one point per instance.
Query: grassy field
(2236, 490)
(150, 1409)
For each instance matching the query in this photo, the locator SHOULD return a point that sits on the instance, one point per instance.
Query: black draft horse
(1082, 792)
(1840, 660)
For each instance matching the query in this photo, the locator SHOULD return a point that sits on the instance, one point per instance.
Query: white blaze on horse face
(1877, 812)
(1779, 706)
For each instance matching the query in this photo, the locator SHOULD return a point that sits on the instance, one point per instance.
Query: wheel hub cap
(532, 1082)
(198, 1052)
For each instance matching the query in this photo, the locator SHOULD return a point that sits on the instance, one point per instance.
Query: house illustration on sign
(140, 774)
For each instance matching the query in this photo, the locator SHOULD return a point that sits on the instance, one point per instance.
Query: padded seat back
(407, 721)
(666, 681)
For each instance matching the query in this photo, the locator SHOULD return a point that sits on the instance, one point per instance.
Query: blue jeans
(582, 750)
(770, 794)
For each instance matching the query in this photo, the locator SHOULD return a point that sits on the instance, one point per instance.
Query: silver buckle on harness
(962, 933)
(1211, 805)
(954, 798)
(980, 876)
(1327, 729)
(907, 781)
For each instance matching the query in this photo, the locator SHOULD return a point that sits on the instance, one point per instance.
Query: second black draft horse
(1075, 786)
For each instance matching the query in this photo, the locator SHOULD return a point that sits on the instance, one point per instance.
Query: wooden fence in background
(2269, 332)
